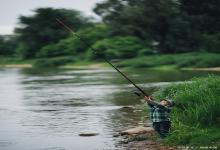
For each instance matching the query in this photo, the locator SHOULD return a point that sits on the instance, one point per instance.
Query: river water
(48, 109)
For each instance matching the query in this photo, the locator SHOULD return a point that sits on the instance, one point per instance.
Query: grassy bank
(186, 60)
(196, 119)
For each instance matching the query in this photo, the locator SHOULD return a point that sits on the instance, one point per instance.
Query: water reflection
(47, 109)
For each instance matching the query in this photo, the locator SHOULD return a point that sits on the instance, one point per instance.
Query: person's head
(166, 102)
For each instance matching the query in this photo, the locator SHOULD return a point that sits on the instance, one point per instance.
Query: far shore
(203, 69)
(17, 66)
(103, 65)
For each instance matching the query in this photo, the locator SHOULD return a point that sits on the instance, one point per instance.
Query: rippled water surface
(48, 109)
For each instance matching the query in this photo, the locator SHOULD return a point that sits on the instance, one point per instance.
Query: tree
(176, 25)
(203, 14)
(41, 29)
(8, 45)
(72, 45)
(146, 19)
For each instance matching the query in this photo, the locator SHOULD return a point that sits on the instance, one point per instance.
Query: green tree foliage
(147, 19)
(176, 25)
(203, 17)
(211, 42)
(117, 48)
(8, 45)
(203, 14)
(41, 29)
(72, 45)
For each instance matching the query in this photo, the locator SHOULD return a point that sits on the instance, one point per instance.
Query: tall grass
(196, 118)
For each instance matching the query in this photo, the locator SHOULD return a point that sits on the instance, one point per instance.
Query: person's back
(160, 115)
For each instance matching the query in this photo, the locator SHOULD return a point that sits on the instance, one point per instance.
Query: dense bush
(53, 50)
(117, 47)
(198, 60)
(179, 60)
(196, 116)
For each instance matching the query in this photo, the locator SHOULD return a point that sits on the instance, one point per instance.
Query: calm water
(47, 109)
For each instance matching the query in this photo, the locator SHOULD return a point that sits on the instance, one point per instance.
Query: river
(48, 109)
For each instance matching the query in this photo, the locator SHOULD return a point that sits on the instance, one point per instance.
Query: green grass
(196, 118)
(174, 61)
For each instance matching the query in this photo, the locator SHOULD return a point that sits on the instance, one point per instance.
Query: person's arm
(149, 100)
(152, 103)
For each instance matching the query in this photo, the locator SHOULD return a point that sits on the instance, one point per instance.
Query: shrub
(117, 47)
(145, 51)
(149, 61)
(201, 59)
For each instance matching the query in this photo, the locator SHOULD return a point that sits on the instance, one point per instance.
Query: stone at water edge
(88, 134)
(138, 130)
(128, 107)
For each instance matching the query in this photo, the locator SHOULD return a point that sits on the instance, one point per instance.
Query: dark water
(47, 109)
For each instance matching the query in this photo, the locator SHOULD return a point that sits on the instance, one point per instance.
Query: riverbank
(143, 138)
(104, 66)
(187, 61)
(196, 116)
(195, 119)
(14, 62)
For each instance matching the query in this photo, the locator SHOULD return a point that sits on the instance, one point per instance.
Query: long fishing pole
(94, 51)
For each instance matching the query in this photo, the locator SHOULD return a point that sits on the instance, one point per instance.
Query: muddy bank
(143, 138)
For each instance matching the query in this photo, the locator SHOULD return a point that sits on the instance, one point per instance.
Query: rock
(137, 130)
(124, 141)
(127, 108)
(116, 135)
(88, 134)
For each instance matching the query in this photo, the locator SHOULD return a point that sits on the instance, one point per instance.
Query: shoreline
(103, 65)
(143, 138)
(17, 66)
(202, 69)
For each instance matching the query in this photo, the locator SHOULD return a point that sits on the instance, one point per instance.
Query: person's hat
(172, 103)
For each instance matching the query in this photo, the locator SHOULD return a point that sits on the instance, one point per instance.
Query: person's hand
(148, 98)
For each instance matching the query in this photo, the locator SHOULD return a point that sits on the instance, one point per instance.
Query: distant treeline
(129, 28)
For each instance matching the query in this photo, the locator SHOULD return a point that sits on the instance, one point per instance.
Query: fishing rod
(95, 52)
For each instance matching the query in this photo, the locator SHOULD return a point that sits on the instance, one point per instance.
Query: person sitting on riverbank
(160, 115)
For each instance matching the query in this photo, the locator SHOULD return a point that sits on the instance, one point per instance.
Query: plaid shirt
(159, 113)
